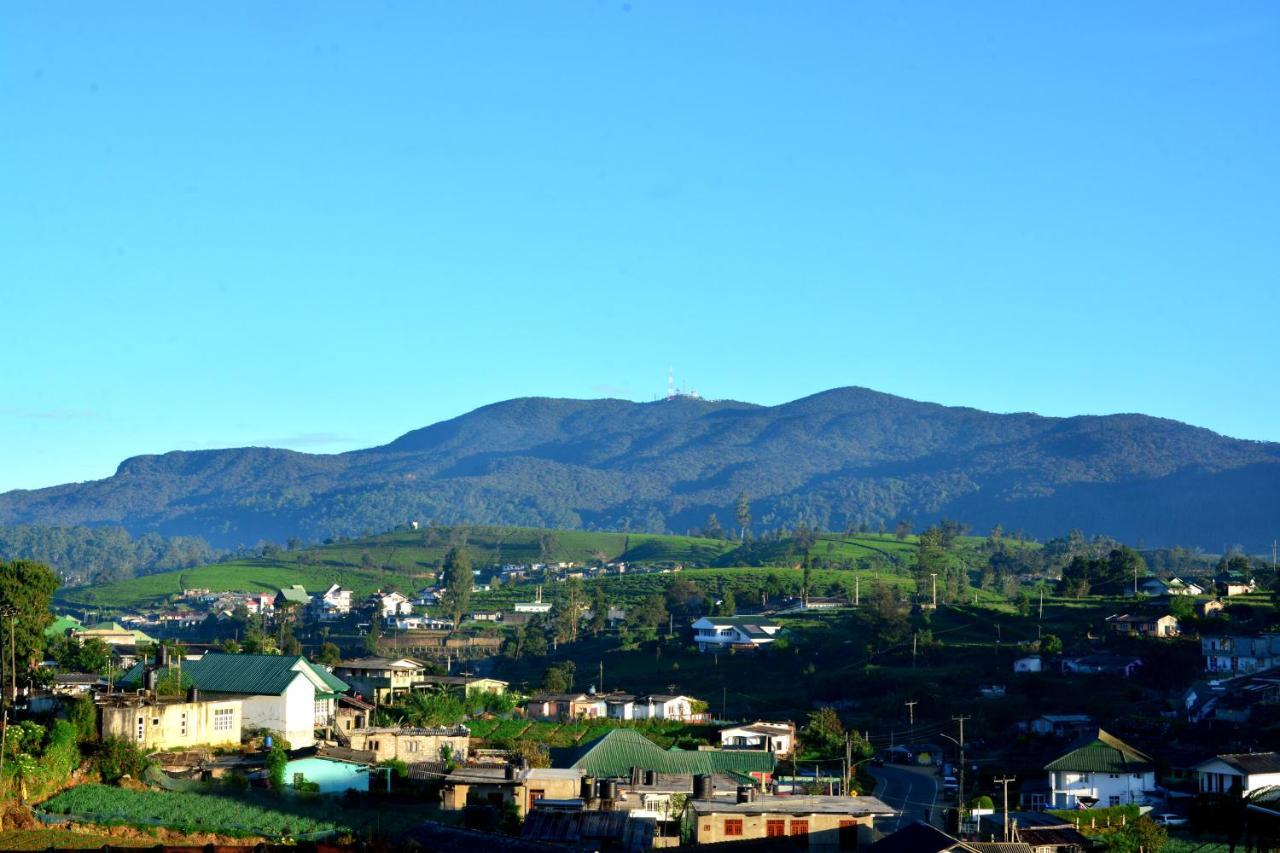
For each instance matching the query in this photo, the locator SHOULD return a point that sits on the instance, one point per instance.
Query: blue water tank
(267, 742)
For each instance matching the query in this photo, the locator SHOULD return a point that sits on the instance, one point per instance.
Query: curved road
(909, 790)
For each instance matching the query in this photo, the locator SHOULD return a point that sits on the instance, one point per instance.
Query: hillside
(850, 457)
(405, 560)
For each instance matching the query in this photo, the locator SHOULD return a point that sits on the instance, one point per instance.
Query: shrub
(276, 761)
(118, 757)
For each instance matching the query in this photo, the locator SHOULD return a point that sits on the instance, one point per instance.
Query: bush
(276, 761)
(118, 757)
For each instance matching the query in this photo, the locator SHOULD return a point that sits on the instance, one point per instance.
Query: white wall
(292, 713)
(1068, 786)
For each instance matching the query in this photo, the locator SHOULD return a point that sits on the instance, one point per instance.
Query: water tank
(608, 790)
(702, 787)
(511, 772)
(650, 777)
(587, 788)
(744, 793)
(267, 741)
(152, 679)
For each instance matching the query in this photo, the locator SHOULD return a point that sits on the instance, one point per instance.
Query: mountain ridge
(844, 457)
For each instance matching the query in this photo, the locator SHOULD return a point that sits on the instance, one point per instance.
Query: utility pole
(960, 783)
(1041, 601)
(911, 709)
(1005, 782)
(934, 575)
(848, 763)
(601, 676)
(914, 635)
(856, 590)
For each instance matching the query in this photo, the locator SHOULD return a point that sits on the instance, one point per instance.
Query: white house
(778, 738)
(1104, 771)
(1240, 654)
(388, 605)
(1027, 664)
(1061, 725)
(659, 706)
(1249, 770)
(535, 606)
(333, 603)
(287, 695)
(720, 633)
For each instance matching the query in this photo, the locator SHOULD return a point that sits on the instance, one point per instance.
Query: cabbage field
(183, 812)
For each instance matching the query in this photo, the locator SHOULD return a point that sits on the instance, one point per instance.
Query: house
(332, 604)
(76, 683)
(1240, 654)
(412, 745)
(153, 724)
(662, 796)
(660, 706)
(619, 752)
(535, 606)
(565, 706)
(1240, 774)
(113, 634)
(1170, 586)
(388, 605)
(508, 785)
(280, 693)
(1027, 664)
(470, 684)
(1101, 770)
(485, 616)
(1036, 831)
(1235, 583)
(1209, 608)
(426, 597)
(721, 633)
(292, 597)
(1102, 664)
(381, 680)
(779, 738)
(62, 627)
(1062, 725)
(920, 837)
(828, 823)
(1143, 626)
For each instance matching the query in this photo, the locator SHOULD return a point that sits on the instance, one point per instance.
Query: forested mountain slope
(842, 458)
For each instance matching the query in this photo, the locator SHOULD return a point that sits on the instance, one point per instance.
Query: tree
(568, 614)
(329, 653)
(824, 732)
(26, 591)
(742, 515)
(371, 639)
(558, 678)
(1051, 644)
(599, 609)
(712, 529)
(536, 754)
(458, 580)
(647, 616)
(1181, 607)
(728, 607)
(277, 760)
(902, 530)
(1140, 836)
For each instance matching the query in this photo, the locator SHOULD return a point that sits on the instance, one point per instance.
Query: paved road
(910, 790)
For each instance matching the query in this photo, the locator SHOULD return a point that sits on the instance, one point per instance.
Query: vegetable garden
(182, 812)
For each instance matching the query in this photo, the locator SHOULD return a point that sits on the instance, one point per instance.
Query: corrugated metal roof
(1104, 753)
(617, 752)
(257, 675)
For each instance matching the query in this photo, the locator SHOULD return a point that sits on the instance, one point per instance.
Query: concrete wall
(292, 713)
(823, 829)
(172, 724)
(408, 747)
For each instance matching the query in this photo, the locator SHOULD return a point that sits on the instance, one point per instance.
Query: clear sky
(320, 225)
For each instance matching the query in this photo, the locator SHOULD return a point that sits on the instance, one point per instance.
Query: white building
(333, 603)
(389, 605)
(1027, 664)
(1249, 770)
(779, 738)
(659, 706)
(1103, 772)
(535, 606)
(287, 695)
(720, 633)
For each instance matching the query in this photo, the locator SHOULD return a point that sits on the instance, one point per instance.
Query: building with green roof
(1100, 770)
(285, 694)
(617, 752)
(295, 595)
(62, 626)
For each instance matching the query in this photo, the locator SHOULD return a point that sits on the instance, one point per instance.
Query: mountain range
(849, 457)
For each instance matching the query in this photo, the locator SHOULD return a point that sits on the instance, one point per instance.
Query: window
(411, 746)
(223, 719)
(1113, 775)
(142, 728)
(182, 724)
(732, 826)
(775, 828)
(799, 827)
(1113, 801)
(536, 794)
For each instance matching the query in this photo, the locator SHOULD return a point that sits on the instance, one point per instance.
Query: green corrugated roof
(258, 675)
(295, 594)
(1103, 753)
(621, 749)
(60, 626)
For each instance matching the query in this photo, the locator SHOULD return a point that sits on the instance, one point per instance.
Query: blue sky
(321, 225)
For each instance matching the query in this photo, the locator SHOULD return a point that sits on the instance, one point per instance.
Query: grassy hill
(403, 559)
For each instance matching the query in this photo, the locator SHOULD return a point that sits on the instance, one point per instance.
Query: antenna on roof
(671, 383)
